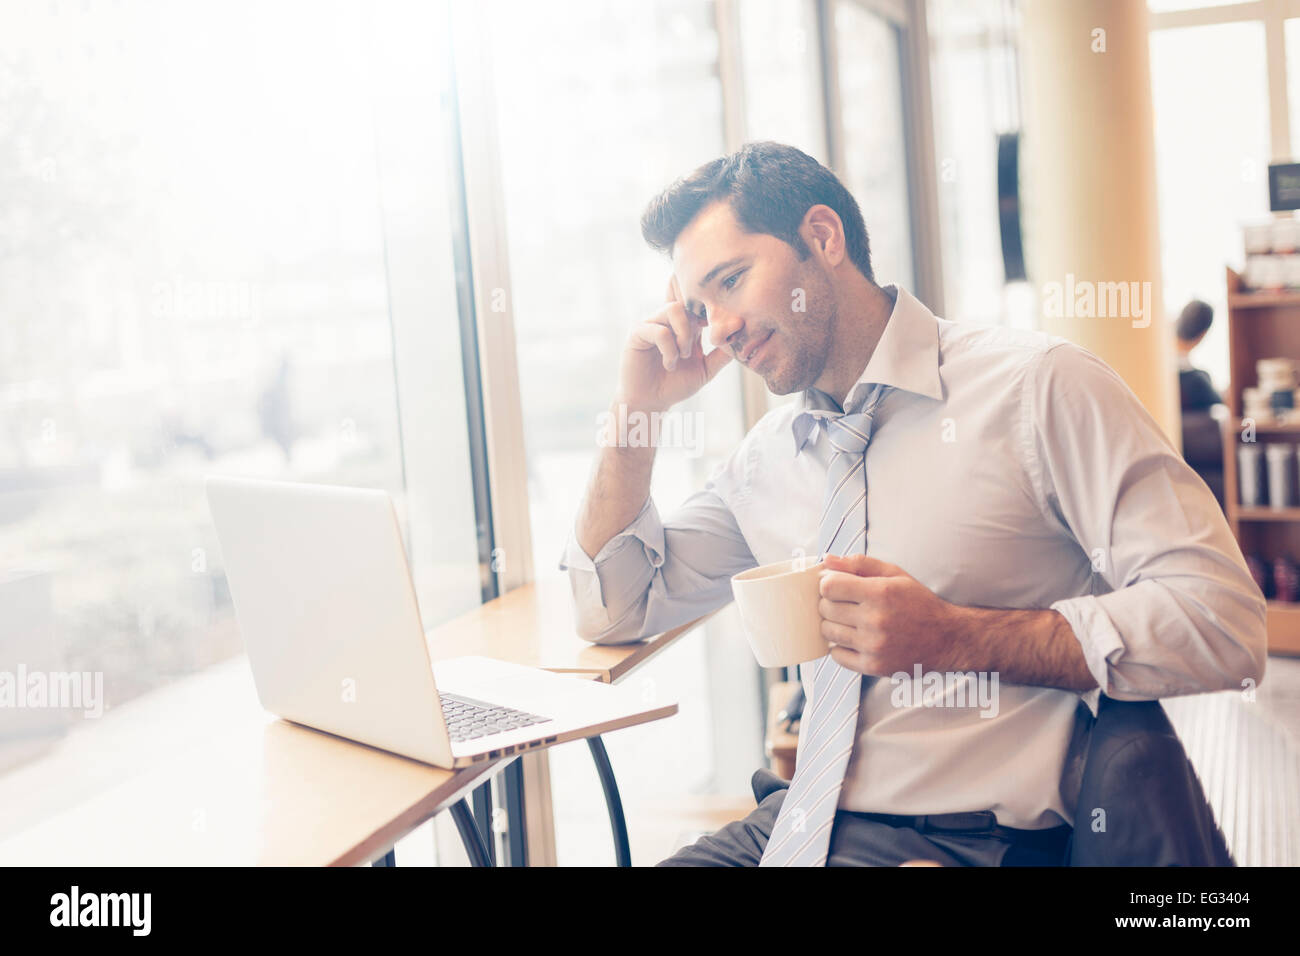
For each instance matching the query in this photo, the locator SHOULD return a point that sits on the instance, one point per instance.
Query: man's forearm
(618, 489)
(1023, 647)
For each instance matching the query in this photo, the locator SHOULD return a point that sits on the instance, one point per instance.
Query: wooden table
(198, 774)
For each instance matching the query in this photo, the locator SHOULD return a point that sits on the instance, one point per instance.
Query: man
(1195, 388)
(1011, 510)
(1202, 439)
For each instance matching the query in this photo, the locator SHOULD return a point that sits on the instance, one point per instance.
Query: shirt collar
(906, 358)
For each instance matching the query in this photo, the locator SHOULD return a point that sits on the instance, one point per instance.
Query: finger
(862, 661)
(677, 320)
(849, 658)
(674, 290)
(649, 335)
(840, 634)
(862, 564)
(842, 612)
(845, 586)
(680, 322)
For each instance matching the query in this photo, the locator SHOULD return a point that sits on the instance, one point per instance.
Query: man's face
(775, 313)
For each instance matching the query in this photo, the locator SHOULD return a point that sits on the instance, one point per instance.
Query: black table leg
(483, 816)
(622, 851)
(475, 845)
(517, 832)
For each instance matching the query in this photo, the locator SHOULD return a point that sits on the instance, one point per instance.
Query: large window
(1218, 120)
(1211, 157)
(214, 259)
(1292, 37)
(874, 153)
(780, 52)
(975, 82)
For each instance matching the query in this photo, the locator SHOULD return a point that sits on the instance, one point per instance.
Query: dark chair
(1140, 802)
(1203, 448)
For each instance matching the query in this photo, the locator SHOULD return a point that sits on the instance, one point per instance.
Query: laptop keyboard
(469, 719)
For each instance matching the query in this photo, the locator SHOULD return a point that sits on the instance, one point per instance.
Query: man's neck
(863, 313)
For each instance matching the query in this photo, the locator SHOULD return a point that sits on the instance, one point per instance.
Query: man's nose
(722, 325)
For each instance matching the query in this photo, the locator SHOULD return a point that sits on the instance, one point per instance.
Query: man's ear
(823, 231)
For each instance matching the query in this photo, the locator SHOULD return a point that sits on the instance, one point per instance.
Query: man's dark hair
(1194, 320)
(770, 187)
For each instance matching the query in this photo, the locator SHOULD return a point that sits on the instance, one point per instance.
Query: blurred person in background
(1197, 391)
(1202, 441)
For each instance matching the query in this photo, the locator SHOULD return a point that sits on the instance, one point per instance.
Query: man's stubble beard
(814, 348)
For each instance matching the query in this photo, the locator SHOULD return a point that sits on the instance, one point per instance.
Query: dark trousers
(858, 840)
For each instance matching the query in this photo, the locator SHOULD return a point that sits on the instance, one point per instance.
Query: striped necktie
(802, 833)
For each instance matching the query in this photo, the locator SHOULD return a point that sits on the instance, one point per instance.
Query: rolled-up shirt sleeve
(1175, 610)
(655, 575)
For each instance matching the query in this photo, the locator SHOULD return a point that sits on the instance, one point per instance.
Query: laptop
(325, 602)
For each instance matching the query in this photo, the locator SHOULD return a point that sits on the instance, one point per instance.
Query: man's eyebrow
(713, 274)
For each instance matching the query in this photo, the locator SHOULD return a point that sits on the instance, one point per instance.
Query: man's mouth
(749, 352)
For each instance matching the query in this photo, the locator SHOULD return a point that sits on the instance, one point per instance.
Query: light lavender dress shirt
(1008, 469)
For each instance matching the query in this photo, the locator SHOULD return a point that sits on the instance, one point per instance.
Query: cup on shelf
(1282, 402)
(1286, 580)
(1259, 572)
(1263, 273)
(1281, 474)
(1257, 237)
(1285, 236)
(1297, 471)
(1291, 271)
(1277, 372)
(1250, 474)
(1256, 404)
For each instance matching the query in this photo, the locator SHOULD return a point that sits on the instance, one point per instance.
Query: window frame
(1273, 14)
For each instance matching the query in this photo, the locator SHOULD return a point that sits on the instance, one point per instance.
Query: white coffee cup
(778, 607)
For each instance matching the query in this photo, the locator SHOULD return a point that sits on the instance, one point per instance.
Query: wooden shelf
(1267, 514)
(1283, 628)
(1263, 300)
(1261, 325)
(1270, 427)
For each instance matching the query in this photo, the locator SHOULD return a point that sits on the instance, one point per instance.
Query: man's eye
(730, 282)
